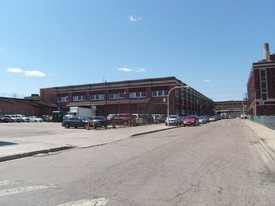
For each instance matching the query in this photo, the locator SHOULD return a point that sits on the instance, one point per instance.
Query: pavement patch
(21, 190)
(92, 202)
(28, 154)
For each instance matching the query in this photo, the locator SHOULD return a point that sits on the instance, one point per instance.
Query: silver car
(173, 120)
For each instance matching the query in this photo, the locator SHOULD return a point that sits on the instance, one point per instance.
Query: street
(220, 163)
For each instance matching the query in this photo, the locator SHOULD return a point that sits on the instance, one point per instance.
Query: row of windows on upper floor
(132, 95)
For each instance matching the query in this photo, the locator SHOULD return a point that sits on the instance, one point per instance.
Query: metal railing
(268, 121)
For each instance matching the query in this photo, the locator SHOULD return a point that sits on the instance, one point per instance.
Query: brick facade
(144, 96)
(261, 87)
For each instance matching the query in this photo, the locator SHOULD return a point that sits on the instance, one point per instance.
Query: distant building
(261, 85)
(27, 107)
(230, 108)
(143, 96)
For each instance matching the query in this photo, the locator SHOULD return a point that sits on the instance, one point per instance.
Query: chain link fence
(268, 121)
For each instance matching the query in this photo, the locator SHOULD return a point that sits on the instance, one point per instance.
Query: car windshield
(192, 117)
(99, 118)
(173, 116)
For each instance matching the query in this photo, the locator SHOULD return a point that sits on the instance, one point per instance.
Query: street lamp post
(168, 99)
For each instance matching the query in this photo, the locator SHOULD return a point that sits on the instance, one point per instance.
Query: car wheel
(67, 125)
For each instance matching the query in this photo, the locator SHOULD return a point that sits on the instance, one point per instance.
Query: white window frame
(137, 95)
(117, 96)
(62, 99)
(79, 98)
(160, 93)
(97, 97)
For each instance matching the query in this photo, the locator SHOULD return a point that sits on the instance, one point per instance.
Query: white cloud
(15, 70)
(34, 73)
(207, 81)
(26, 73)
(133, 19)
(124, 69)
(136, 70)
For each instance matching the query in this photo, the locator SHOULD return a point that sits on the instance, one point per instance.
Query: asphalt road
(215, 164)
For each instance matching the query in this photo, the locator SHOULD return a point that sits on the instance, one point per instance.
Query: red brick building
(261, 85)
(144, 96)
(29, 107)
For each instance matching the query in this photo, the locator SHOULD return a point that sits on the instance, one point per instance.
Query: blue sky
(210, 45)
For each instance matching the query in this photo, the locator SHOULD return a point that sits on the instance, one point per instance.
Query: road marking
(8, 182)
(92, 202)
(21, 190)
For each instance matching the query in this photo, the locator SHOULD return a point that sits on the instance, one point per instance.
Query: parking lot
(25, 138)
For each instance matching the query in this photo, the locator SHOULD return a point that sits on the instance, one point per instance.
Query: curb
(28, 154)
(153, 131)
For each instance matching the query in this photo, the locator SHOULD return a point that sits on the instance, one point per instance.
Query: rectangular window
(137, 94)
(178, 92)
(117, 96)
(62, 99)
(182, 93)
(79, 98)
(97, 97)
(264, 96)
(160, 93)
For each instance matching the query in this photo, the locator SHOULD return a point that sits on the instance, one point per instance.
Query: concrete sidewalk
(76, 138)
(264, 135)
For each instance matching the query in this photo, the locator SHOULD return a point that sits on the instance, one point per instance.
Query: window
(137, 94)
(117, 96)
(160, 93)
(178, 92)
(264, 96)
(97, 97)
(62, 99)
(79, 98)
(263, 74)
(182, 93)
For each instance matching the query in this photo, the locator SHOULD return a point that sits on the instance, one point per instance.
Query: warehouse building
(143, 96)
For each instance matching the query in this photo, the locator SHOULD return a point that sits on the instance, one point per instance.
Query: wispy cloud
(32, 73)
(133, 19)
(134, 70)
(14, 70)
(207, 81)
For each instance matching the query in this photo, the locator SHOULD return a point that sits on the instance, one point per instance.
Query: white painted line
(92, 202)
(8, 182)
(21, 190)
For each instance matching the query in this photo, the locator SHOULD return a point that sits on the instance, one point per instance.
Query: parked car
(157, 118)
(22, 117)
(110, 117)
(99, 121)
(77, 122)
(49, 118)
(173, 120)
(212, 118)
(35, 119)
(140, 119)
(191, 120)
(123, 119)
(202, 119)
(182, 118)
(3, 118)
(14, 118)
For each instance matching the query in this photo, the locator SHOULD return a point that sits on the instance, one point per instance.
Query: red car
(125, 119)
(191, 120)
(3, 118)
